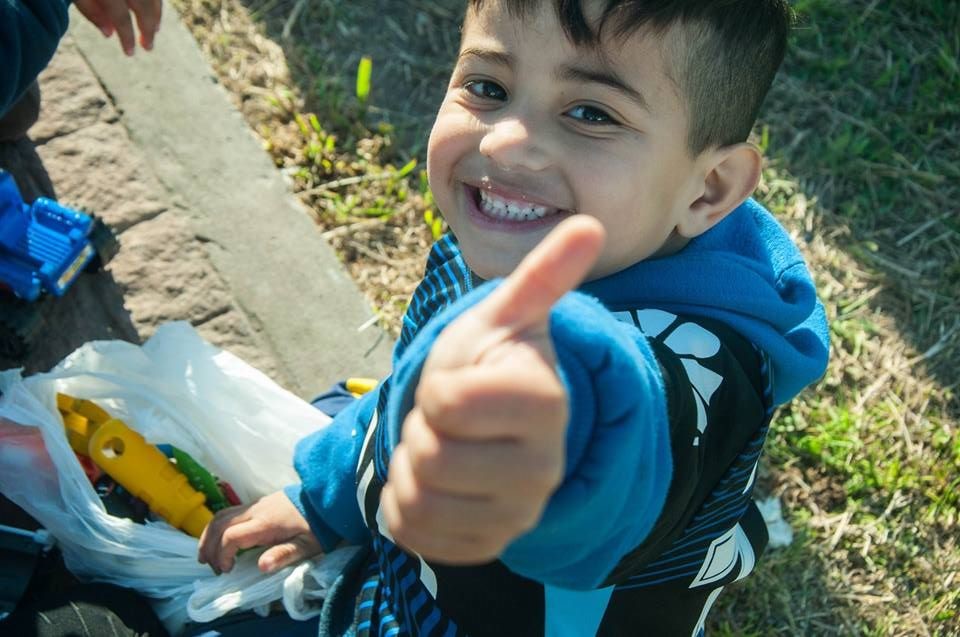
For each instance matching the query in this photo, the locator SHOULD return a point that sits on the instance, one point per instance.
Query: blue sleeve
(327, 464)
(619, 463)
(30, 31)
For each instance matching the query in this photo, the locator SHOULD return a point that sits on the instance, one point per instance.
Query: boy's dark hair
(728, 53)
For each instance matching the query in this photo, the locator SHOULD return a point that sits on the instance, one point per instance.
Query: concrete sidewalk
(210, 232)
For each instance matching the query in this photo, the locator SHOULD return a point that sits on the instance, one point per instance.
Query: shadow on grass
(861, 132)
(412, 49)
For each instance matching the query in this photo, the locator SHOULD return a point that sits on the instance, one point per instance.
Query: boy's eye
(591, 115)
(486, 89)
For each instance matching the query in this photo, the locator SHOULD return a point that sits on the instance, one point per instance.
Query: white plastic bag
(305, 588)
(175, 389)
(243, 587)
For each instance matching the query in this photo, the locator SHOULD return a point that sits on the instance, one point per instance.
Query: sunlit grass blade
(364, 75)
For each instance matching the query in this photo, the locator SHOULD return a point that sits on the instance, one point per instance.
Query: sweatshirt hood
(747, 272)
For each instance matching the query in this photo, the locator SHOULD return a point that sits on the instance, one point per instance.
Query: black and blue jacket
(673, 367)
(30, 31)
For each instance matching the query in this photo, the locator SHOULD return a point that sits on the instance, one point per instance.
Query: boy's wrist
(328, 538)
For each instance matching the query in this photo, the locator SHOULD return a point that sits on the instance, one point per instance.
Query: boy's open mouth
(505, 209)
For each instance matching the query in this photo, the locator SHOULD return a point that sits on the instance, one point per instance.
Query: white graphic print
(753, 478)
(623, 317)
(653, 322)
(690, 342)
(427, 576)
(700, 629)
(722, 558)
(368, 472)
(704, 383)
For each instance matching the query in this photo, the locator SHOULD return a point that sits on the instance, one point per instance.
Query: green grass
(862, 135)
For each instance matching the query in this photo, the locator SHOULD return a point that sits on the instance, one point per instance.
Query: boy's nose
(512, 144)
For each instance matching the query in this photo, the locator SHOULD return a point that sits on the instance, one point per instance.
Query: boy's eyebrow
(492, 56)
(605, 77)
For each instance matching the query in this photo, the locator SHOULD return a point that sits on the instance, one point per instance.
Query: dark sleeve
(30, 31)
(716, 404)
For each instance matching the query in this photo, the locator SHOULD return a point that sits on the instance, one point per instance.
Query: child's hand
(113, 16)
(270, 521)
(482, 450)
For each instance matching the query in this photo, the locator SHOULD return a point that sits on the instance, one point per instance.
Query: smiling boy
(533, 120)
(545, 462)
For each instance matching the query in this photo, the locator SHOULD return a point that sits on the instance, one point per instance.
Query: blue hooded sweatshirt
(745, 272)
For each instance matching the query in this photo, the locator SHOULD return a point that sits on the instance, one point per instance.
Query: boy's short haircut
(723, 62)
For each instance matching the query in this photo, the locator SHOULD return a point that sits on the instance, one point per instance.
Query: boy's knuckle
(427, 463)
(395, 518)
(553, 391)
(425, 392)
(417, 508)
(442, 405)
(547, 406)
(426, 453)
(544, 473)
(230, 536)
(553, 406)
(398, 529)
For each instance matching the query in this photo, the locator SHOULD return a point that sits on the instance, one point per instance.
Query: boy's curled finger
(147, 13)
(119, 15)
(212, 537)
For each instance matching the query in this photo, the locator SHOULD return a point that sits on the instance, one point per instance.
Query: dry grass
(340, 154)
(863, 134)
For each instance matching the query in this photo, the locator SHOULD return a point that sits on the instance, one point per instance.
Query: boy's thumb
(554, 267)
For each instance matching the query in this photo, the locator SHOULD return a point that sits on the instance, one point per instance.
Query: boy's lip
(481, 218)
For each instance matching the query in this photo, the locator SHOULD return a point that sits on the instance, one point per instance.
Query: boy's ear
(732, 173)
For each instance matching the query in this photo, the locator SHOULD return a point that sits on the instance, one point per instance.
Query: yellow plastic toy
(80, 418)
(360, 386)
(135, 464)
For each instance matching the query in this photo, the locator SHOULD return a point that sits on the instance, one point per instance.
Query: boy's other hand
(270, 521)
(113, 16)
(483, 448)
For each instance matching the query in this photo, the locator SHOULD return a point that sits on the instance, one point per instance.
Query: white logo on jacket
(690, 343)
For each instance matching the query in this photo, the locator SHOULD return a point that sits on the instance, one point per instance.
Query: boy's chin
(491, 266)
(492, 273)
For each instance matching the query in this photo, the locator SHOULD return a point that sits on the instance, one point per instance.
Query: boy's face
(533, 129)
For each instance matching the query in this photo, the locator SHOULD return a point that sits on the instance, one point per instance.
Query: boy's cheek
(442, 157)
(437, 156)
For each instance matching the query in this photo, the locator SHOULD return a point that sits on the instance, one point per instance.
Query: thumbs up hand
(483, 447)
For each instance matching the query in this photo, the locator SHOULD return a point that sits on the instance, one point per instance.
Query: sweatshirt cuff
(328, 538)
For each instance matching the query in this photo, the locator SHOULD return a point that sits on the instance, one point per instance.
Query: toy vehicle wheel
(105, 244)
(20, 322)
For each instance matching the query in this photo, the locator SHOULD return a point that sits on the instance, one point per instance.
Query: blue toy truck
(44, 247)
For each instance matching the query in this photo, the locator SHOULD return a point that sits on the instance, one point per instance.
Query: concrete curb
(279, 270)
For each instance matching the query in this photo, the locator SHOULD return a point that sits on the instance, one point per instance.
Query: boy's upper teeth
(501, 208)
